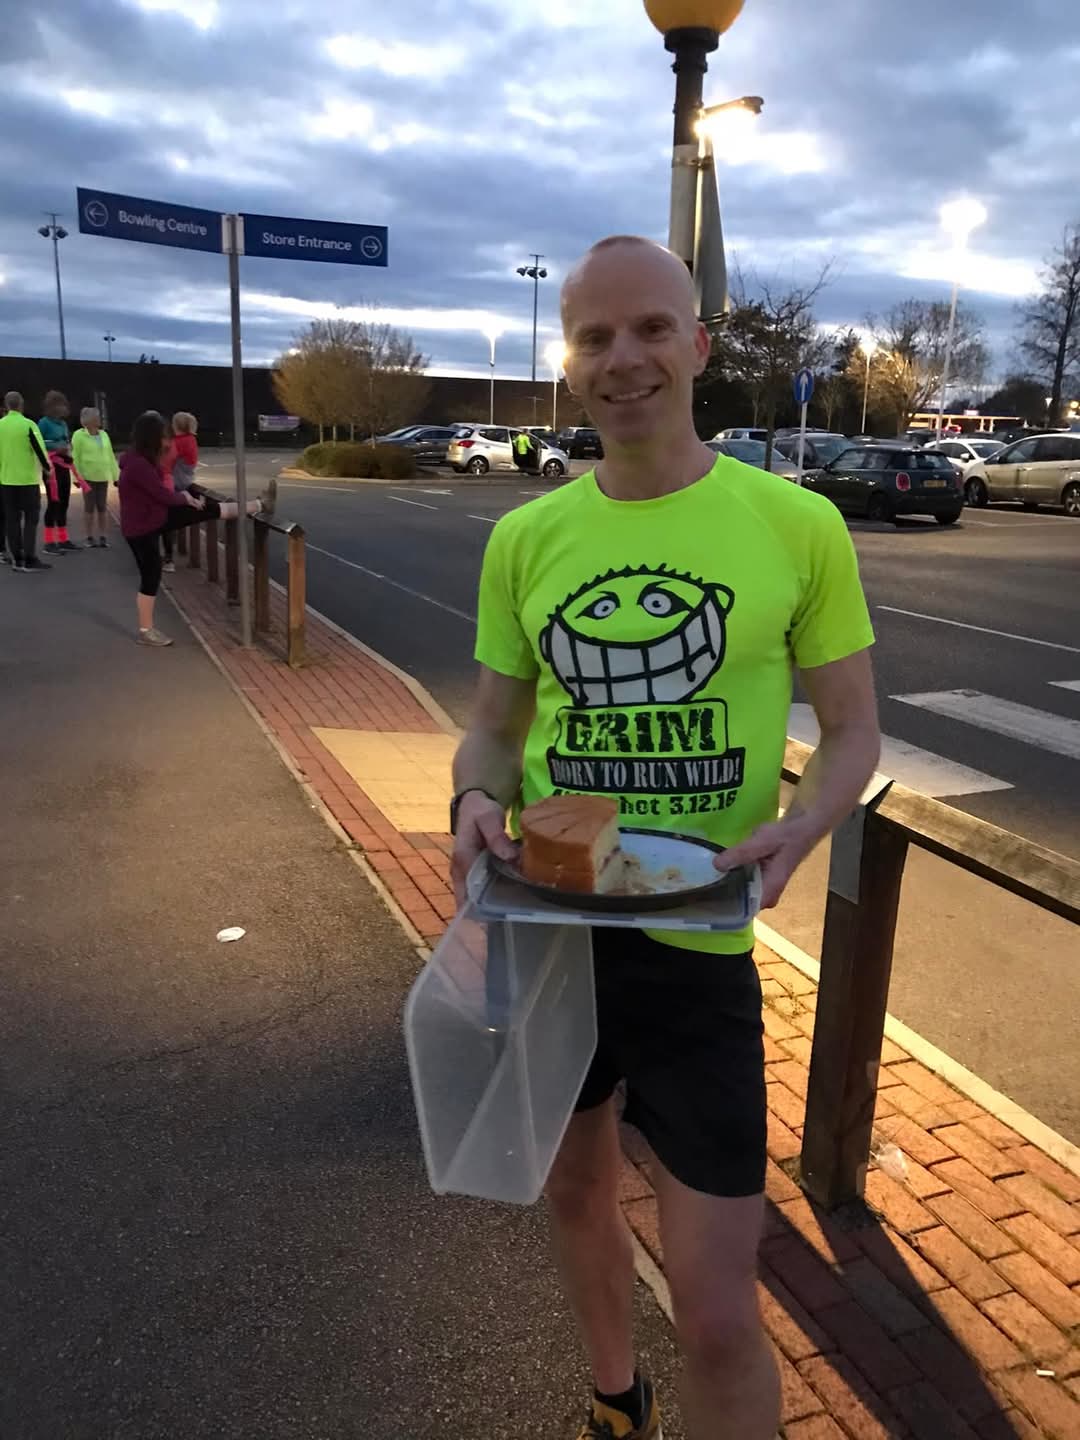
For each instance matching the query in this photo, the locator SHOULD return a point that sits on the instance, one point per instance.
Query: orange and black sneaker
(604, 1423)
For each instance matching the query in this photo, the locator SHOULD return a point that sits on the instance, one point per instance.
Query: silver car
(1041, 470)
(752, 452)
(741, 432)
(961, 453)
(490, 447)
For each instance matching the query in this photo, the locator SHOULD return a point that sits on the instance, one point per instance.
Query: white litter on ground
(231, 932)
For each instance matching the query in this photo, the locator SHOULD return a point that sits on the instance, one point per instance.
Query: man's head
(13, 401)
(56, 405)
(635, 345)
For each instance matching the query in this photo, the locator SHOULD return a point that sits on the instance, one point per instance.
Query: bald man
(638, 633)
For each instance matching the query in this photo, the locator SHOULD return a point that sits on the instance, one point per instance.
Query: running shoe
(50, 548)
(89, 543)
(5, 558)
(604, 1423)
(34, 564)
(102, 544)
(268, 498)
(66, 545)
(153, 637)
(169, 568)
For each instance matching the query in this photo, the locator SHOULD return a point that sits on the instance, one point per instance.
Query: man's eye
(601, 609)
(661, 603)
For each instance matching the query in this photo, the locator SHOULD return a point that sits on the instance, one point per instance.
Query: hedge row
(357, 460)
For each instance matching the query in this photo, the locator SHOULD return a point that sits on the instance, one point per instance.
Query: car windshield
(828, 450)
(987, 447)
(751, 452)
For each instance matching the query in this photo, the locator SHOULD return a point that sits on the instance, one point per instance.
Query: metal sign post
(234, 241)
(803, 387)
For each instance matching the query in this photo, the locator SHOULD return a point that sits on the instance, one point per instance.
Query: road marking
(484, 519)
(982, 629)
(1066, 684)
(918, 769)
(1003, 717)
(303, 485)
(436, 492)
(397, 585)
(420, 505)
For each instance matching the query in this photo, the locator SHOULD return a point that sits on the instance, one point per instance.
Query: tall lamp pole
(958, 219)
(535, 273)
(109, 338)
(869, 346)
(492, 336)
(55, 231)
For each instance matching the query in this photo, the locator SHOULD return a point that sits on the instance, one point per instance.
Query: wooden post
(297, 602)
(195, 548)
(181, 542)
(261, 562)
(865, 873)
(232, 563)
(212, 551)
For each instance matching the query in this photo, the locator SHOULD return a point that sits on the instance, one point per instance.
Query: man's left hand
(779, 849)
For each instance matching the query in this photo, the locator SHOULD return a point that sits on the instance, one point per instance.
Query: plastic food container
(500, 1028)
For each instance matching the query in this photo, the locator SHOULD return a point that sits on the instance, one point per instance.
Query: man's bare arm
(489, 759)
(842, 694)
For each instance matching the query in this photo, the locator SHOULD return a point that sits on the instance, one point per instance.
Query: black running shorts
(683, 1029)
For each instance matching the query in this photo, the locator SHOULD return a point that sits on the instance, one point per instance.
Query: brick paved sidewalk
(945, 1308)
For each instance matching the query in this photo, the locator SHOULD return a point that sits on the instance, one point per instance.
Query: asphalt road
(214, 1221)
(987, 607)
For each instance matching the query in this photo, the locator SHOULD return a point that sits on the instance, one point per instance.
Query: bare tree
(392, 388)
(1050, 331)
(908, 367)
(766, 340)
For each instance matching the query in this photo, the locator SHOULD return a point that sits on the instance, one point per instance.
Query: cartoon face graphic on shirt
(638, 637)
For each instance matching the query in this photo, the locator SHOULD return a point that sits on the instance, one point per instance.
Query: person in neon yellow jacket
(94, 461)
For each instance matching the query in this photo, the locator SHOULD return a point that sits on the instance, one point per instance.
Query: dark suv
(580, 441)
(883, 482)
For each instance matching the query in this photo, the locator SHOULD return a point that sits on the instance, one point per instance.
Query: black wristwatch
(455, 803)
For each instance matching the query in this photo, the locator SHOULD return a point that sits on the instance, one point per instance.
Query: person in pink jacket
(150, 509)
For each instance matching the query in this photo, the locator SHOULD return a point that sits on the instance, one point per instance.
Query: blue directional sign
(155, 222)
(280, 238)
(803, 385)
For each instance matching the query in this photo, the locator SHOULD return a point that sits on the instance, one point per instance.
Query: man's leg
(12, 527)
(731, 1389)
(30, 506)
(592, 1244)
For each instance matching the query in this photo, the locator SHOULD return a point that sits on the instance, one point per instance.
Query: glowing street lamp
(492, 335)
(555, 353)
(869, 348)
(958, 219)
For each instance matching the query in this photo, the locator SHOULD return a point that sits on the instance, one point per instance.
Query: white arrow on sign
(97, 214)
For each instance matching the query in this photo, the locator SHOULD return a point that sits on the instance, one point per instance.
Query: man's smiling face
(634, 344)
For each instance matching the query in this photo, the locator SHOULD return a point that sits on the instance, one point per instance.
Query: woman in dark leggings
(54, 430)
(149, 509)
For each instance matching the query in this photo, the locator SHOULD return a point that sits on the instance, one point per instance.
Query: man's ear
(703, 346)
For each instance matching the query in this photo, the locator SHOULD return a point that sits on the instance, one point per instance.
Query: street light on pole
(556, 358)
(492, 335)
(535, 273)
(109, 338)
(55, 231)
(958, 219)
(869, 348)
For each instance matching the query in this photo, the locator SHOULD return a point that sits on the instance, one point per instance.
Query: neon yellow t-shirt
(662, 635)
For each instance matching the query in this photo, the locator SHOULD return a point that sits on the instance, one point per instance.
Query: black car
(428, 443)
(580, 442)
(883, 482)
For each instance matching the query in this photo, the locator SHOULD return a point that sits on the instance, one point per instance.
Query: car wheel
(878, 508)
(950, 519)
(976, 493)
(553, 469)
(1070, 498)
(478, 466)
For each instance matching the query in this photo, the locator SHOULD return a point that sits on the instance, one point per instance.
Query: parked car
(883, 482)
(741, 432)
(580, 442)
(963, 452)
(820, 447)
(752, 452)
(489, 447)
(428, 443)
(1038, 470)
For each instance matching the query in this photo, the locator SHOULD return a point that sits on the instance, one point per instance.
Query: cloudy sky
(482, 130)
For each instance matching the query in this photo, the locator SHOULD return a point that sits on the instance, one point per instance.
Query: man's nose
(625, 353)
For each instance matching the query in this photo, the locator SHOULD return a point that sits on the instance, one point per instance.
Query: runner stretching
(646, 619)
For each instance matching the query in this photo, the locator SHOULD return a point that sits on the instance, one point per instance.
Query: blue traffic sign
(283, 239)
(803, 385)
(155, 222)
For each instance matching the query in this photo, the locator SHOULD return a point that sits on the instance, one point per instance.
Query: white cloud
(202, 13)
(90, 102)
(396, 57)
(341, 119)
(987, 274)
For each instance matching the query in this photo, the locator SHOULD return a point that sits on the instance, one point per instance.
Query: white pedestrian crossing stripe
(908, 765)
(1050, 732)
(1066, 684)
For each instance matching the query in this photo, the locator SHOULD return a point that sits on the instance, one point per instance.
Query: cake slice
(571, 842)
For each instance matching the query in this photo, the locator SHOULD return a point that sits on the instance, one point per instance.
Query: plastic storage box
(500, 1028)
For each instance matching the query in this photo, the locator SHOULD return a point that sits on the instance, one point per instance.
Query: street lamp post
(109, 338)
(56, 232)
(535, 273)
(869, 346)
(492, 335)
(556, 358)
(958, 219)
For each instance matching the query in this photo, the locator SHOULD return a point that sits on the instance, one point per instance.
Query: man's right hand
(195, 501)
(481, 825)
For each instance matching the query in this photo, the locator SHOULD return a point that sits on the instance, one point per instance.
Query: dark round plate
(657, 850)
